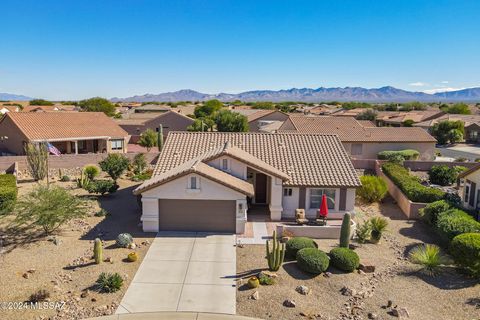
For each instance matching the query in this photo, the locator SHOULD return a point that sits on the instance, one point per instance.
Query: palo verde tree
(115, 165)
(148, 139)
(228, 121)
(448, 131)
(97, 104)
(40, 102)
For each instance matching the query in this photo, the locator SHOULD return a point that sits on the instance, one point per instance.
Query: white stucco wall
(473, 177)
(235, 167)
(290, 203)
(371, 150)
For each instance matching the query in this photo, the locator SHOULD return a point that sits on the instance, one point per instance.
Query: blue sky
(76, 49)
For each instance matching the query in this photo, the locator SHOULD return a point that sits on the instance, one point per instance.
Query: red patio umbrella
(323, 212)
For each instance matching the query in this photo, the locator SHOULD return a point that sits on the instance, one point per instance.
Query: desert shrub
(147, 174)
(407, 154)
(465, 249)
(266, 280)
(39, 296)
(429, 257)
(442, 175)
(101, 186)
(101, 213)
(312, 260)
(453, 199)
(298, 243)
(49, 208)
(432, 210)
(8, 193)
(363, 232)
(115, 165)
(344, 259)
(109, 282)
(65, 178)
(124, 239)
(454, 222)
(411, 185)
(373, 189)
(91, 171)
(139, 163)
(37, 158)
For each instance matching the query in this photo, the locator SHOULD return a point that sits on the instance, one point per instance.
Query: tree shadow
(292, 269)
(447, 279)
(473, 302)
(17, 236)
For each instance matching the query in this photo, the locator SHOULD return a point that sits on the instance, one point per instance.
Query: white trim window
(466, 193)
(116, 144)
(316, 198)
(225, 164)
(287, 192)
(194, 185)
(357, 149)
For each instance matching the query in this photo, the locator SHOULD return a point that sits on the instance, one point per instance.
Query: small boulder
(108, 259)
(85, 294)
(366, 266)
(327, 274)
(372, 316)
(132, 245)
(303, 290)
(31, 270)
(255, 296)
(389, 303)
(401, 313)
(289, 303)
(346, 291)
(26, 275)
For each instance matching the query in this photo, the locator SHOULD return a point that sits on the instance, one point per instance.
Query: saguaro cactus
(160, 138)
(276, 255)
(98, 251)
(345, 231)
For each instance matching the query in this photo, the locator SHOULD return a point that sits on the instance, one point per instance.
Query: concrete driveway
(185, 271)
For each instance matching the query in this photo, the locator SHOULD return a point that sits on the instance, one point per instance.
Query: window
(193, 183)
(357, 149)
(116, 144)
(287, 192)
(316, 198)
(225, 164)
(473, 135)
(467, 192)
(478, 200)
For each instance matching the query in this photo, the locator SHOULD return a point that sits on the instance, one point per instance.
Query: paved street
(185, 271)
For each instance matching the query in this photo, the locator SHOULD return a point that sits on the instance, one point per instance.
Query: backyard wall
(414, 165)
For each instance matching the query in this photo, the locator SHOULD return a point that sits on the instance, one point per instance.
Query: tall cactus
(83, 181)
(160, 138)
(345, 231)
(98, 251)
(276, 256)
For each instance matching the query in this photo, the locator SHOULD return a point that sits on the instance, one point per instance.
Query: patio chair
(322, 220)
(300, 216)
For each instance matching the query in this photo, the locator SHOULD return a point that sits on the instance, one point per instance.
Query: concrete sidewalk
(173, 316)
(185, 271)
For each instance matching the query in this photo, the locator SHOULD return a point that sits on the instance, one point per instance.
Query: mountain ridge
(360, 94)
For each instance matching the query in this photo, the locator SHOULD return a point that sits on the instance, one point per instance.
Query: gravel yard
(450, 295)
(62, 264)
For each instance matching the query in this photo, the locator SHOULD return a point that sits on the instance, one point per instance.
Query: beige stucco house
(469, 188)
(364, 141)
(210, 181)
(69, 132)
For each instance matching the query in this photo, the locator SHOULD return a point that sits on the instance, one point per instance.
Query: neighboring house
(208, 181)
(170, 120)
(398, 118)
(470, 121)
(258, 118)
(323, 109)
(152, 108)
(364, 142)
(70, 132)
(469, 188)
(4, 109)
(56, 107)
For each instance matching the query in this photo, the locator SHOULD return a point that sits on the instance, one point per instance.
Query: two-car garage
(197, 215)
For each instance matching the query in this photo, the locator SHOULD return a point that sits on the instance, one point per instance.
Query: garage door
(197, 215)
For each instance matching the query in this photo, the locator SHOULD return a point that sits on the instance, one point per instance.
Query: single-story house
(137, 123)
(469, 188)
(156, 108)
(398, 118)
(471, 123)
(69, 132)
(209, 181)
(364, 142)
(258, 118)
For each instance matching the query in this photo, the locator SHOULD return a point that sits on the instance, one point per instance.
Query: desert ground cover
(62, 263)
(449, 295)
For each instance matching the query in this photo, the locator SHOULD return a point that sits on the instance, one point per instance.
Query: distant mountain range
(13, 97)
(384, 94)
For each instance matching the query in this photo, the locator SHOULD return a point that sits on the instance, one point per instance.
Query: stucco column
(149, 214)
(275, 206)
(76, 147)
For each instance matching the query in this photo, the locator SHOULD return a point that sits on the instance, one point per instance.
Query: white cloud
(444, 82)
(446, 89)
(418, 84)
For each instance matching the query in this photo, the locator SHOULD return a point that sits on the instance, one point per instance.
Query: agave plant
(429, 256)
(363, 232)
(378, 226)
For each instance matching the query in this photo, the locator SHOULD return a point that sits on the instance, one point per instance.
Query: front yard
(450, 295)
(62, 263)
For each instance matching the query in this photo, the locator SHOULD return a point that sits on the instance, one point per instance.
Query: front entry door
(260, 188)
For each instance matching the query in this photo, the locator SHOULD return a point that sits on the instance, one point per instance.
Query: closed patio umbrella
(323, 212)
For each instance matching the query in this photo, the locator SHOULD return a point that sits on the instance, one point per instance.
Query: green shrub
(91, 171)
(109, 282)
(454, 222)
(298, 243)
(139, 164)
(407, 154)
(312, 260)
(65, 178)
(411, 185)
(429, 257)
(344, 259)
(101, 186)
(432, 210)
(101, 213)
(265, 280)
(48, 208)
(363, 232)
(373, 189)
(465, 249)
(115, 165)
(442, 175)
(8, 193)
(124, 240)
(378, 226)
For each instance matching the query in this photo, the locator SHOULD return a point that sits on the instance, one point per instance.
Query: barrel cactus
(253, 282)
(132, 257)
(345, 231)
(124, 240)
(276, 255)
(98, 251)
